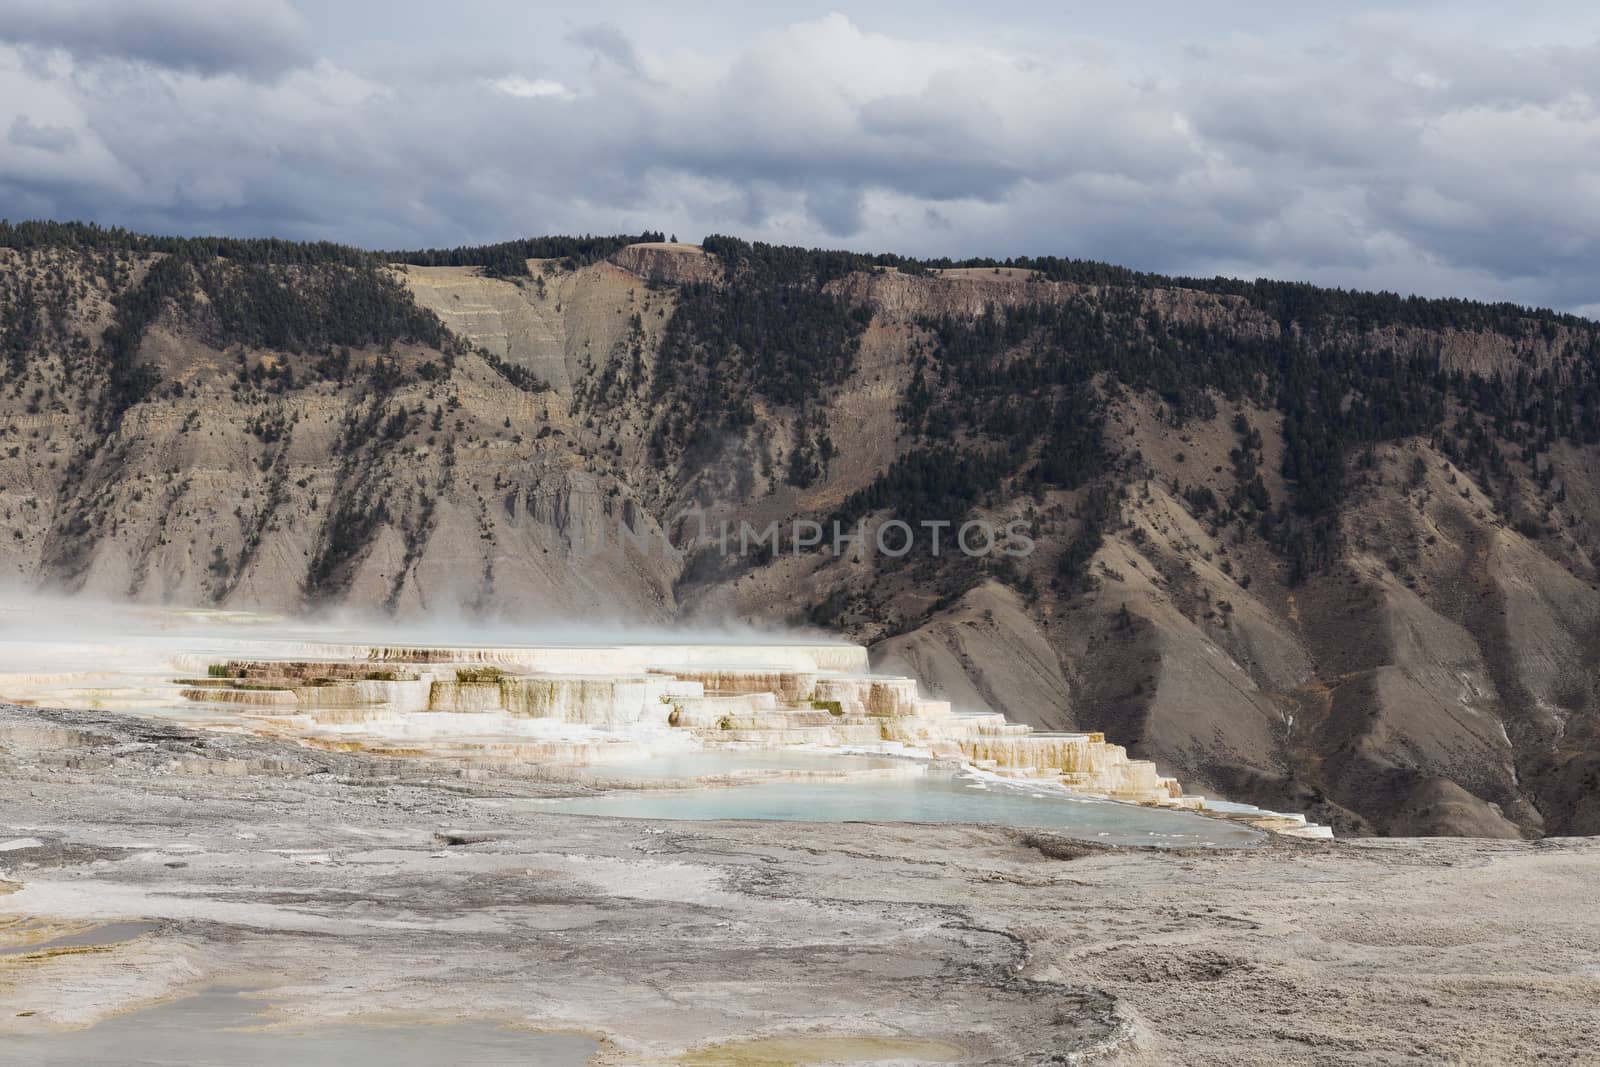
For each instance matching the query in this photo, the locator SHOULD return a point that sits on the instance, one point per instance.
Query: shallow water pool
(107, 934)
(711, 762)
(224, 1026)
(928, 797)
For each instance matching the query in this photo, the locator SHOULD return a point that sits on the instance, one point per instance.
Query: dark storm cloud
(1369, 154)
(258, 38)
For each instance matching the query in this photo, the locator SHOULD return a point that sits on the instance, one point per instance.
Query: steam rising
(36, 617)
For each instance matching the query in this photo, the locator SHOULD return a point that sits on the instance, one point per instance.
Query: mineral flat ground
(144, 862)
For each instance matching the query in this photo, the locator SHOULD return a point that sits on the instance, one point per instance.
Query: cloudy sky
(1424, 147)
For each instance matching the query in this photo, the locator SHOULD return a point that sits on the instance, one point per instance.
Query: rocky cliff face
(1428, 666)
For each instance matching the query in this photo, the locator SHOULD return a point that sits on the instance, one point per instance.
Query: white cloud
(530, 88)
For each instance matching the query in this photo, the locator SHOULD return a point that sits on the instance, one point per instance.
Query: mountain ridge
(1303, 547)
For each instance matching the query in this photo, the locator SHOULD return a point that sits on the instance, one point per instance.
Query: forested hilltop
(1324, 549)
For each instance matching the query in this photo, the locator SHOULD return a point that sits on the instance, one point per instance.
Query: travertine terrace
(545, 706)
(622, 698)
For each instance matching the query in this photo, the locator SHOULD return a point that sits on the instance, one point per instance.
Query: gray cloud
(836, 208)
(608, 42)
(258, 38)
(1350, 153)
(25, 134)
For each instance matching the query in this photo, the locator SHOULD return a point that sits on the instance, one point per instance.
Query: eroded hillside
(1322, 550)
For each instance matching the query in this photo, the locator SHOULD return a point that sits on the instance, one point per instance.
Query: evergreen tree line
(509, 259)
(1287, 302)
(506, 257)
(768, 331)
(88, 237)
